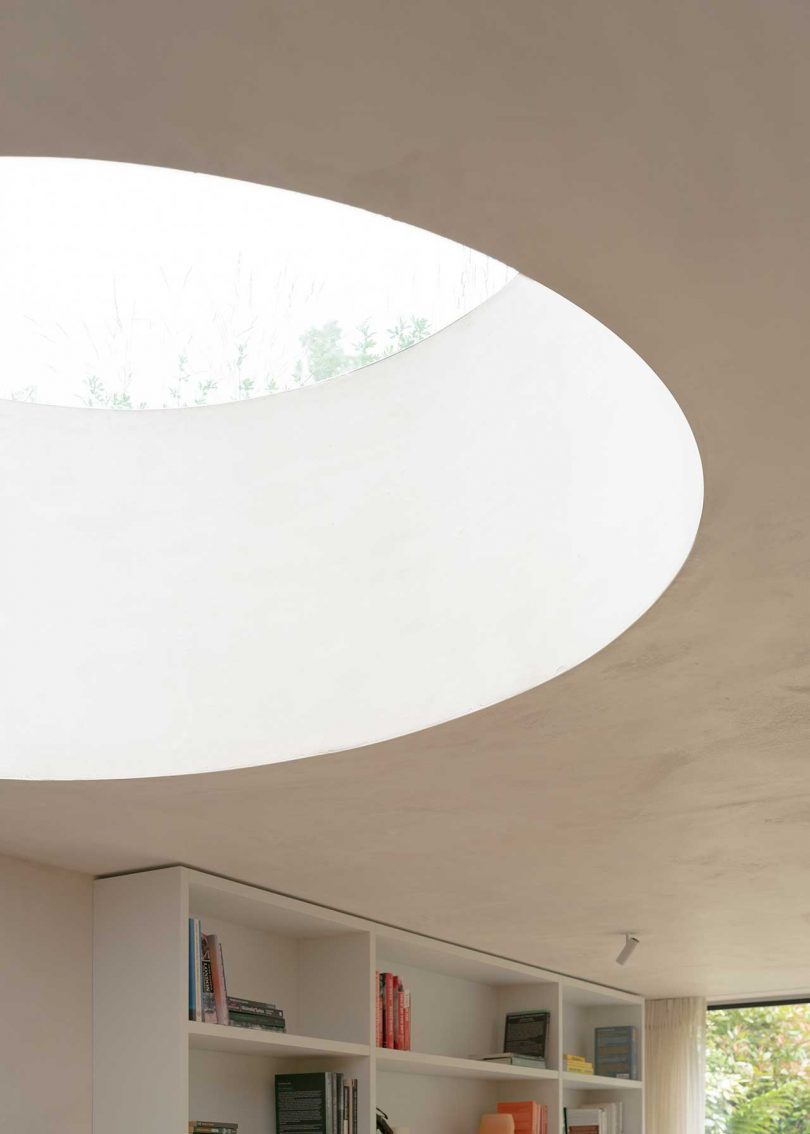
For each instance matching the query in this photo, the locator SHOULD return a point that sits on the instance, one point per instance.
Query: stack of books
(530, 1117)
(208, 999)
(212, 1128)
(512, 1059)
(596, 1118)
(616, 1052)
(255, 1014)
(393, 1014)
(577, 1063)
(319, 1102)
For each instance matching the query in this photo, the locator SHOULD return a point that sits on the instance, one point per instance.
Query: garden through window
(758, 1069)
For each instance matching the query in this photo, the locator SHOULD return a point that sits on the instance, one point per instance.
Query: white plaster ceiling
(650, 163)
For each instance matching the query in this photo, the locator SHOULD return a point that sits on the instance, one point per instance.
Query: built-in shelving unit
(154, 1069)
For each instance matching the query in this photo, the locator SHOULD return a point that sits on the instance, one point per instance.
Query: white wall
(45, 998)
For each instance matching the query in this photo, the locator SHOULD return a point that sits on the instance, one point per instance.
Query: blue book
(615, 1052)
(195, 981)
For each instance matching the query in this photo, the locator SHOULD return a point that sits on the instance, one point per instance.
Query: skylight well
(236, 586)
(132, 287)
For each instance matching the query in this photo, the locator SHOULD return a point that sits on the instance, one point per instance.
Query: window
(758, 1068)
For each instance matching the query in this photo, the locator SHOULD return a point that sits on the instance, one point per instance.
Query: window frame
(731, 1004)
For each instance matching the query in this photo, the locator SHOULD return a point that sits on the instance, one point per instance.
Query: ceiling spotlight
(628, 949)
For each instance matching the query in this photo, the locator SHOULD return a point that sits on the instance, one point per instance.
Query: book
(209, 1001)
(577, 1063)
(586, 1120)
(529, 1117)
(304, 1103)
(195, 970)
(218, 979)
(512, 1059)
(392, 1013)
(389, 1009)
(399, 1015)
(269, 1023)
(525, 1033)
(258, 1023)
(212, 1127)
(381, 1006)
(337, 1123)
(615, 1052)
(192, 1008)
(349, 1106)
(266, 1022)
(379, 1013)
(614, 1116)
(254, 1008)
(322, 1102)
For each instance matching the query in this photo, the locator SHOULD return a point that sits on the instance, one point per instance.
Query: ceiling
(650, 163)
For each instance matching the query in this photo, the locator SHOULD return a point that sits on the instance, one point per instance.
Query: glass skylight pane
(131, 287)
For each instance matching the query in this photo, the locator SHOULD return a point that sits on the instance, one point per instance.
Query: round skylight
(257, 582)
(132, 287)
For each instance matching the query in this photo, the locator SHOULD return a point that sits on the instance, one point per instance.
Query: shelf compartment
(582, 1082)
(252, 1041)
(417, 1063)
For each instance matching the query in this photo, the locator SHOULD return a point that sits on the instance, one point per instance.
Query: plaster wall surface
(46, 933)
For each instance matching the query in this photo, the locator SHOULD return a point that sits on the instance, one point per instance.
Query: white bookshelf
(154, 1069)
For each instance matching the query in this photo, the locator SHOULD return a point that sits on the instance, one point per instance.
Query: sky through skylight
(128, 286)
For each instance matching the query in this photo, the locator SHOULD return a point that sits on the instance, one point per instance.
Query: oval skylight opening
(133, 287)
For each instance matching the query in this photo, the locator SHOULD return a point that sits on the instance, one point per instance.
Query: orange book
(525, 1114)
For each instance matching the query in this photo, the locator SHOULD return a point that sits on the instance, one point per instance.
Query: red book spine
(400, 1016)
(407, 1015)
(218, 974)
(379, 1011)
(389, 1010)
